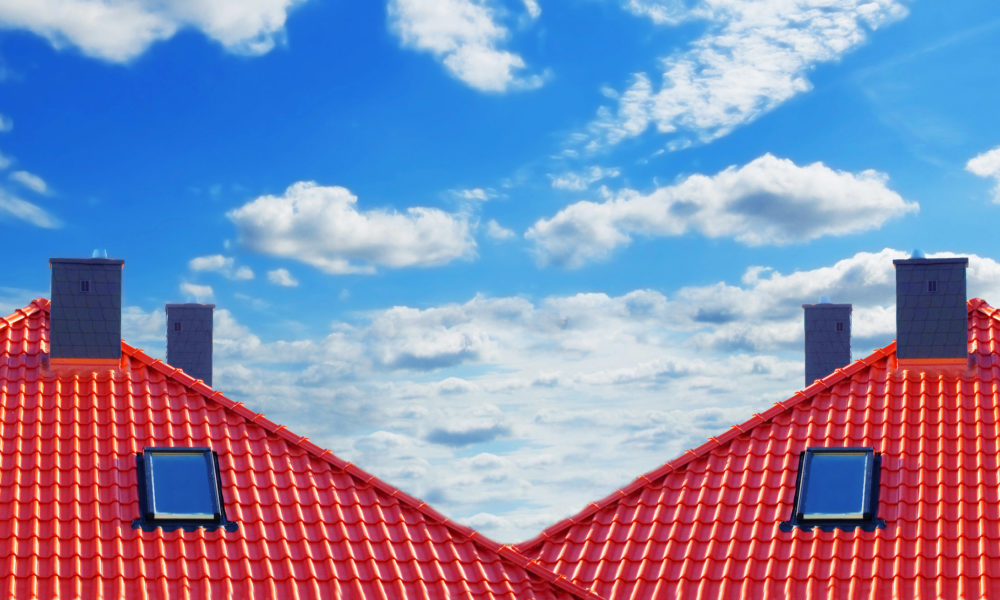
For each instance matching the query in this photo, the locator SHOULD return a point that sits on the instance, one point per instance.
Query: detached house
(122, 476)
(880, 480)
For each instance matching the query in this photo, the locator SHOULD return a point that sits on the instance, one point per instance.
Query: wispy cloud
(323, 227)
(120, 31)
(200, 293)
(466, 37)
(224, 265)
(13, 206)
(6, 124)
(581, 180)
(987, 165)
(767, 201)
(754, 56)
(31, 181)
(497, 231)
(282, 277)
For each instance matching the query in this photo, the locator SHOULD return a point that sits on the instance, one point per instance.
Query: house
(880, 480)
(122, 476)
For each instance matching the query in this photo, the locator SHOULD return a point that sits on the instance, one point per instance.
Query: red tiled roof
(310, 524)
(705, 525)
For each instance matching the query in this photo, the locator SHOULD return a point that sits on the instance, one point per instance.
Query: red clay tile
(310, 524)
(705, 525)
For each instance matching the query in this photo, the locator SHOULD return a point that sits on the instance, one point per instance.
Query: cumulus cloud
(767, 201)
(282, 277)
(754, 56)
(224, 265)
(200, 293)
(31, 181)
(987, 165)
(322, 226)
(579, 181)
(466, 37)
(540, 405)
(497, 231)
(120, 31)
(12, 206)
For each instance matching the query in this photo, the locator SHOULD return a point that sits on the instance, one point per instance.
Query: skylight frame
(865, 517)
(212, 514)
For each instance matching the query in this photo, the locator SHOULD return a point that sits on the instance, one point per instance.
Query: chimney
(189, 339)
(931, 311)
(85, 317)
(828, 338)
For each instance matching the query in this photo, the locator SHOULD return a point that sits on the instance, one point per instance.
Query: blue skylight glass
(181, 484)
(836, 484)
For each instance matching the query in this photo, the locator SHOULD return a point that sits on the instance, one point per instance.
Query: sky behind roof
(507, 255)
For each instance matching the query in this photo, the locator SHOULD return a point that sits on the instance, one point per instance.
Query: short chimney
(931, 311)
(189, 339)
(828, 338)
(85, 316)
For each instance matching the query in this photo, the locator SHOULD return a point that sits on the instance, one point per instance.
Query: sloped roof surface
(310, 524)
(706, 525)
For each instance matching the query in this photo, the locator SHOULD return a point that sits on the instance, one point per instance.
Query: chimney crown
(85, 315)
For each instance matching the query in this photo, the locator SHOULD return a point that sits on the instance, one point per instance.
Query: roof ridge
(507, 552)
(24, 312)
(714, 442)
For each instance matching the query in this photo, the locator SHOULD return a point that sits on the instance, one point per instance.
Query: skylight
(837, 487)
(180, 487)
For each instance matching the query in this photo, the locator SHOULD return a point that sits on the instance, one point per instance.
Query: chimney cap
(188, 305)
(87, 261)
(930, 261)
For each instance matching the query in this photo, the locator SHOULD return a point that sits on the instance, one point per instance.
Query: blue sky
(506, 254)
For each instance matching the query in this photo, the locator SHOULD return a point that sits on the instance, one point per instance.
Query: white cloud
(497, 231)
(12, 206)
(282, 277)
(478, 194)
(579, 181)
(31, 181)
(4, 161)
(987, 165)
(5, 124)
(767, 201)
(119, 31)
(465, 36)
(224, 265)
(754, 56)
(540, 406)
(323, 227)
(531, 7)
(200, 293)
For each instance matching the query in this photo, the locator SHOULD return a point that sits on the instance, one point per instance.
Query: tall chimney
(189, 339)
(931, 313)
(828, 338)
(85, 317)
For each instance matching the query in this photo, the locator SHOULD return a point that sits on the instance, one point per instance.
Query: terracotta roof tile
(706, 523)
(310, 525)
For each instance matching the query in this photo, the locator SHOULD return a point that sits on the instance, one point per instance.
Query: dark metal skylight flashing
(836, 488)
(180, 488)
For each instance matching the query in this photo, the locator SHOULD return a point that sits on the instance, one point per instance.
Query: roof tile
(310, 525)
(706, 524)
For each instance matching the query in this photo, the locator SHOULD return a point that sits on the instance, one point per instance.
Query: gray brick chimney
(827, 339)
(189, 339)
(85, 321)
(931, 311)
